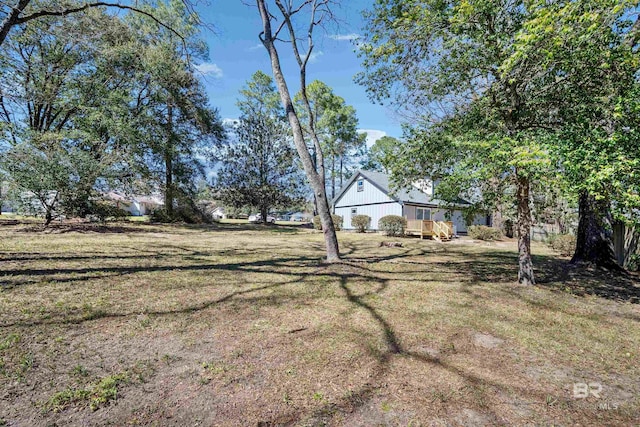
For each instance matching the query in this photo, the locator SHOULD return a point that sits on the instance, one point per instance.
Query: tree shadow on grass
(481, 268)
(394, 349)
(551, 273)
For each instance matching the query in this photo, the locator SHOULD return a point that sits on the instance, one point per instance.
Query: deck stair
(441, 231)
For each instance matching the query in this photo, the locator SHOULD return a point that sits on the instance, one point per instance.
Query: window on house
(354, 211)
(361, 185)
(423, 213)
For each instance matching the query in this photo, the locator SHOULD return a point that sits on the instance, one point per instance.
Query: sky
(235, 53)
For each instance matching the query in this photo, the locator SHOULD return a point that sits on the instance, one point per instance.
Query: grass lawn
(236, 324)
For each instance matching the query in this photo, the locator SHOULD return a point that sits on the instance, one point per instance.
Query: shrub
(565, 244)
(337, 222)
(103, 211)
(634, 262)
(317, 224)
(161, 215)
(393, 225)
(361, 222)
(482, 232)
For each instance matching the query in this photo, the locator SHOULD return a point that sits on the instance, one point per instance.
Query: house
(369, 193)
(135, 205)
(219, 213)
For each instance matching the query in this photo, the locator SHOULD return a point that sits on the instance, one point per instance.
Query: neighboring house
(144, 205)
(135, 205)
(369, 193)
(219, 213)
(121, 201)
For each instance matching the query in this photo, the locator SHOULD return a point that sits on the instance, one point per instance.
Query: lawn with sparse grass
(236, 324)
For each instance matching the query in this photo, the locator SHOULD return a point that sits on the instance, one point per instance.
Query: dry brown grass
(243, 325)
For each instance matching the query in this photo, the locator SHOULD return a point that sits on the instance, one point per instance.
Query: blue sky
(235, 54)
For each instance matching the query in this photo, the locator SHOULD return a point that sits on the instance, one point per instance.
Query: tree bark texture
(316, 179)
(168, 164)
(594, 239)
(525, 265)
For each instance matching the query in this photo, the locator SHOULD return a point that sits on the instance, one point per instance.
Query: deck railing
(430, 228)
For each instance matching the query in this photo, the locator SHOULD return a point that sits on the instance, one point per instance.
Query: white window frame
(354, 212)
(423, 211)
(360, 184)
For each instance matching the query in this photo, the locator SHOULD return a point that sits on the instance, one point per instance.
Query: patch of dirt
(487, 340)
(468, 417)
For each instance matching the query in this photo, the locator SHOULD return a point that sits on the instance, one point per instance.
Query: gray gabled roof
(382, 182)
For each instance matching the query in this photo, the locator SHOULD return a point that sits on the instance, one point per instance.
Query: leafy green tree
(119, 91)
(180, 126)
(68, 104)
(382, 154)
(259, 168)
(21, 12)
(588, 50)
(475, 123)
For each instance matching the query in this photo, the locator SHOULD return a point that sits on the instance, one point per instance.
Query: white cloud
(372, 135)
(256, 47)
(313, 58)
(345, 37)
(210, 69)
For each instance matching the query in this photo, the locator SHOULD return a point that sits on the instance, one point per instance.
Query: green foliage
(361, 222)
(259, 168)
(505, 95)
(77, 75)
(162, 216)
(178, 125)
(185, 210)
(104, 211)
(634, 263)
(107, 101)
(382, 155)
(96, 395)
(565, 244)
(482, 232)
(337, 222)
(393, 225)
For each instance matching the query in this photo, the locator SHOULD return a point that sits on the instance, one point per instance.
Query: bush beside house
(337, 222)
(482, 232)
(392, 225)
(361, 222)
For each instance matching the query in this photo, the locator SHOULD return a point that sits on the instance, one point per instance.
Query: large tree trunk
(341, 171)
(333, 176)
(594, 240)
(168, 165)
(11, 19)
(264, 212)
(316, 179)
(525, 265)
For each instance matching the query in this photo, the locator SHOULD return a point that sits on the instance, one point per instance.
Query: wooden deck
(437, 230)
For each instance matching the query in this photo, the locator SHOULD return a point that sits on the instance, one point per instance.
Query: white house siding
(375, 212)
(370, 201)
(369, 195)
